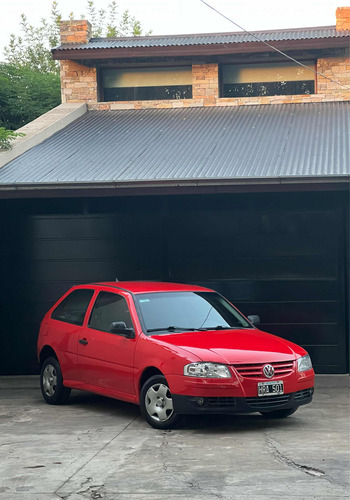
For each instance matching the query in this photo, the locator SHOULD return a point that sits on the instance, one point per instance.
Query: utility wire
(271, 46)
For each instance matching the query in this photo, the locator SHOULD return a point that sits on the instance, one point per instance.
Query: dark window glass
(181, 311)
(268, 88)
(73, 308)
(148, 93)
(109, 308)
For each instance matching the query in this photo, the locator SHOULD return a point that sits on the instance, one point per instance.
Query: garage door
(283, 263)
(287, 266)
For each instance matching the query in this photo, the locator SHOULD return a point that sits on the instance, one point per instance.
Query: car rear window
(73, 308)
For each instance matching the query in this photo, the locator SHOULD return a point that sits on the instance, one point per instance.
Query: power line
(271, 46)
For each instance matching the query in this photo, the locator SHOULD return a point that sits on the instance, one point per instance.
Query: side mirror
(254, 319)
(120, 328)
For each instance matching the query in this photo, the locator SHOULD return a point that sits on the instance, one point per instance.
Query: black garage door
(282, 257)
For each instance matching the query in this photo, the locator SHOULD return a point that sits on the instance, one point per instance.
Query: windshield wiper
(171, 329)
(199, 329)
(221, 327)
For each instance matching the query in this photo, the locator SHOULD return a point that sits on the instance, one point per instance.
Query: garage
(279, 255)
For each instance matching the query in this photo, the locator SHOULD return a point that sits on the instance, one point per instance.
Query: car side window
(109, 308)
(73, 308)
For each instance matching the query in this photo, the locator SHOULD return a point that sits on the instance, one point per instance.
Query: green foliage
(107, 23)
(29, 80)
(26, 94)
(6, 136)
(32, 48)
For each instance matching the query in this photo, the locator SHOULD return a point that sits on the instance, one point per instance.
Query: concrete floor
(96, 447)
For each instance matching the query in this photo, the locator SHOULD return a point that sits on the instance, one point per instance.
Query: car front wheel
(156, 403)
(51, 383)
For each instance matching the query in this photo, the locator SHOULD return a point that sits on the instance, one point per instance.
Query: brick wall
(206, 89)
(343, 18)
(75, 31)
(336, 69)
(205, 82)
(238, 101)
(78, 83)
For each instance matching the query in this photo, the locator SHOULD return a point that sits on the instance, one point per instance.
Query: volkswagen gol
(173, 349)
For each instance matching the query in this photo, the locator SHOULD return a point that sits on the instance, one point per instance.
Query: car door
(105, 359)
(64, 329)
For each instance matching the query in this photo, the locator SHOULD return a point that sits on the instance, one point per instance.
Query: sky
(184, 16)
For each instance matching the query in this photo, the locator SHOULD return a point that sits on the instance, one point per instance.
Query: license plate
(270, 388)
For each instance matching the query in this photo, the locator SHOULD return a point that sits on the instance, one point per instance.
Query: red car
(173, 349)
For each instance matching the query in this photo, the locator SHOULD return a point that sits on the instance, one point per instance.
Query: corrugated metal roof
(245, 142)
(207, 39)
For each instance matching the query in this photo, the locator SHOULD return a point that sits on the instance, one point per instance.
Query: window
(251, 80)
(172, 311)
(143, 84)
(73, 308)
(109, 308)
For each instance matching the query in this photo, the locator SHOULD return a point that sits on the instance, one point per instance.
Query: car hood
(233, 346)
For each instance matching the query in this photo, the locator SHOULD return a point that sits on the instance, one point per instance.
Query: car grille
(220, 402)
(268, 402)
(282, 368)
(302, 395)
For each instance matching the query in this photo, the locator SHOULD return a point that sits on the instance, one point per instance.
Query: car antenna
(116, 279)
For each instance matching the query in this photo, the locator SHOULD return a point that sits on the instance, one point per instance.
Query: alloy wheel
(158, 402)
(49, 380)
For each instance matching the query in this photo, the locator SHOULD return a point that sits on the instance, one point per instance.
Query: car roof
(148, 286)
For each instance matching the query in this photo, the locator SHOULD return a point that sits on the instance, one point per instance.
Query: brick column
(205, 82)
(338, 70)
(75, 31)
(78, 82)
(343, 18)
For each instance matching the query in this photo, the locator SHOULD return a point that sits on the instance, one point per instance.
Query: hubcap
(49, 380)
(159, 404)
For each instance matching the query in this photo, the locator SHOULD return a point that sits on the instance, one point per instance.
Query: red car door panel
(105, 359)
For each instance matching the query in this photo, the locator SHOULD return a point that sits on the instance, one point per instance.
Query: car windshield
(164, 312)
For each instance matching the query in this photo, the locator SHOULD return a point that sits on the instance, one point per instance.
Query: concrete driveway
(96, 447)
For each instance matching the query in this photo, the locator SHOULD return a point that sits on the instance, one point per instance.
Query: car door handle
(83, 341)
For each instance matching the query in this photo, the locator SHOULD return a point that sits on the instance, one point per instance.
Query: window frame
(101, 90)
(312, 61)
(65, 299)
(119, 295)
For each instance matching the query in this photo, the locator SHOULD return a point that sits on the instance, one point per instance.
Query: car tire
(279, 413)
(51, 383)
(156, 403)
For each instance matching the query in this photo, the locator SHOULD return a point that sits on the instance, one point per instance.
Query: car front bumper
(221, 405)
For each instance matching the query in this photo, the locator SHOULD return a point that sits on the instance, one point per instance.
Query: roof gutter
(334, 182)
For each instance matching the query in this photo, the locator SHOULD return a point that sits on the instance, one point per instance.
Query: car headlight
(304, 363)
(207, 370)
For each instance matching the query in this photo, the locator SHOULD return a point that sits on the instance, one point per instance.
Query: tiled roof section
(167, 145)
(207, 39)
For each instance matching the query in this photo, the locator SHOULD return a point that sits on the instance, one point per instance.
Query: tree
(29, 80)
(32, 48)
(25, 94)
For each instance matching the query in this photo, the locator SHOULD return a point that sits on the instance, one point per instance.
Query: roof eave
(197, 50)
(173, 186)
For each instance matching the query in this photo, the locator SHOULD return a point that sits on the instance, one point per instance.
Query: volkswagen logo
(269, 371)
